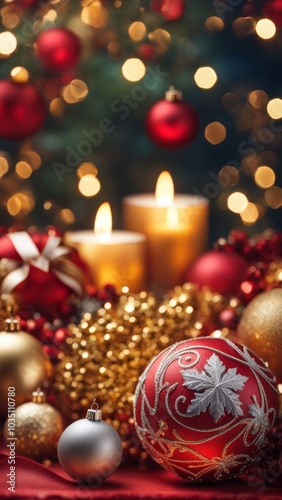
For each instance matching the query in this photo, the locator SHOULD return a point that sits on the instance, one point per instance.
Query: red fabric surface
(36, 482)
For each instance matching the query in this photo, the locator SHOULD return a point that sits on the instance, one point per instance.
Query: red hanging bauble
(22, 110)
(171, 122)
(170, 9)
(272, 9)
(58, 49)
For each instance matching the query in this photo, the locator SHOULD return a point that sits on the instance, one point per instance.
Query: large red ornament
(58, 49)
(40, 272)
(272, 9)
(171, 122)
(203, 407)
(170, 9)
(221, 272)
(22, 110)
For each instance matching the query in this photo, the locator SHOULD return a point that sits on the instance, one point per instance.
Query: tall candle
(176, 227)
(116, 257)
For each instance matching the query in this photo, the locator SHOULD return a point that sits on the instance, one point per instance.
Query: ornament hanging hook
(95, 404)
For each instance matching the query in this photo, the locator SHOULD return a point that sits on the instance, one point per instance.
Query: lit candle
(116, 257)
(176, 227)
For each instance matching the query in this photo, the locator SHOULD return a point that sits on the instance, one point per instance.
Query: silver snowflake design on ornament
(216, 389)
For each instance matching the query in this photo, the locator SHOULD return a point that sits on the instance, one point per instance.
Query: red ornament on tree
(170, 9)
(272, 9)
(58, 49)
(171, 122)
(22, 110)
(221, 272)
(203, 407)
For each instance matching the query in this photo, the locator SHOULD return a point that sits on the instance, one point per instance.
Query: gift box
(41, 273)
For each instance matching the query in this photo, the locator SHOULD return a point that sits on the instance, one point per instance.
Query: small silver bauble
(90, 450)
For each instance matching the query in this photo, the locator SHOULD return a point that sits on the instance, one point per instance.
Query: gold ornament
(260, 328)
(23, 364)
(38, 427)
(108, 351)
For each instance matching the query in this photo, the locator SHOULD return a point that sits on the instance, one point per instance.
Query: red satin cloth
(36, 482)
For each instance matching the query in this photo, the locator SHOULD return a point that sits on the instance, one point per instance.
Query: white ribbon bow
(30, 255)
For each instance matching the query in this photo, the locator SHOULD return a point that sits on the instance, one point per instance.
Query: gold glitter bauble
(107, 352)
(260, 328)
(38, 428)
(23, 364)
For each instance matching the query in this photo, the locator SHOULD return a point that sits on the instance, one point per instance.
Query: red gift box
(41, 273)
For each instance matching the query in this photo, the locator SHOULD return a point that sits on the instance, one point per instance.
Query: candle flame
(164, 190)
(103, 222)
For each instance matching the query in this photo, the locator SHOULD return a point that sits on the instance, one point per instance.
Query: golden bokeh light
(57, 107)
(87, 168)
(265, 177)
(47, 205)
(89, 185)
(32, 158)
(215, 133)
(214, 24)
(95, 14)
(23, 169)
(75, 92)
(115, 49)
(8, 43)
(160, 39)
(228, 176)
(250, 214)
(50, 16)
(20, 204)
(4, 166)
(205, 77)
(273, 197)
(237, 202)
(11, 16)
(258, 99)
(67, 216)
(137, 31)
(274, 108)
(244, 26)
(133, 69)
(265, 29)
(19, 74)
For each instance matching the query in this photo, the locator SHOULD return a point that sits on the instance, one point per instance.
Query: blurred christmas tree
(223, 55)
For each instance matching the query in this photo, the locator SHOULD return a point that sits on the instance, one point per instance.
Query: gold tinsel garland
(106, 353)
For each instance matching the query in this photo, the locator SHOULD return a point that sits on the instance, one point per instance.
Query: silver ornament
(90, 450)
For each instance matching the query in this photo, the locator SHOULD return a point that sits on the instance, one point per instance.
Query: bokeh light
(237, 202)
(133, 69)
(250, 214)
(265, 29)
(265, 177)
(137, 31)
(89, 185)
(8, 43)
(215, 133)
(274, 108)
(19, 74)
(205, 77)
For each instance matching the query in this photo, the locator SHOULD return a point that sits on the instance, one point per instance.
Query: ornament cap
(94, 414)
(173, 95)
(12, 325)
(38, 396)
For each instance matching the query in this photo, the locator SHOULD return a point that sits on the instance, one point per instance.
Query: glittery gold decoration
(38, 429)
(260, 328)
(106, 352)
(7, 303)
